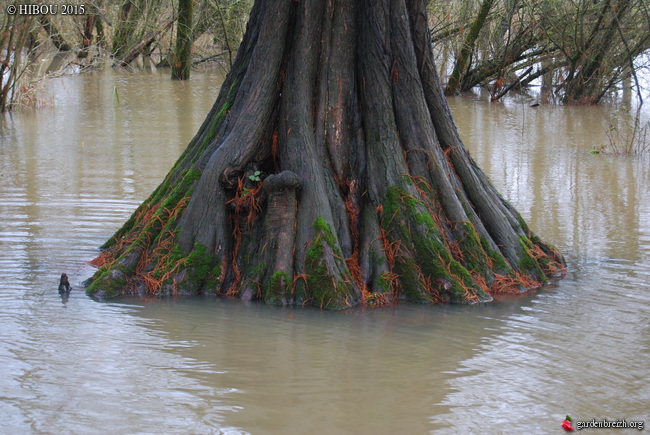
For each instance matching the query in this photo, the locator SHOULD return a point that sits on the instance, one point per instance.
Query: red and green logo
(566, 424)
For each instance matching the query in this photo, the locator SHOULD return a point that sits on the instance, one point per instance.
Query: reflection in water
(70, 176)
(65, 296)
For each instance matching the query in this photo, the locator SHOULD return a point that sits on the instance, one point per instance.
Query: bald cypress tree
(329, 172)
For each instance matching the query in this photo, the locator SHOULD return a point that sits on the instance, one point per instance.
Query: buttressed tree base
(329, 173)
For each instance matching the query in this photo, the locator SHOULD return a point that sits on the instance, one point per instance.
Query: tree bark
(123, 29)
(460, 67)
(586, 80)
(329, 172)
(87, 41)
(54, 34)
(142, 44)
(181, 67)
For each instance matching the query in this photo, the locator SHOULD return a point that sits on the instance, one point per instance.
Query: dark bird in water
(64, 285)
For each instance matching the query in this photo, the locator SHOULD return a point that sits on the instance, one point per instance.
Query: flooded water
(72, 174)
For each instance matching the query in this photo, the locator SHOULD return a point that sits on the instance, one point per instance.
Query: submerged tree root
(329, 173)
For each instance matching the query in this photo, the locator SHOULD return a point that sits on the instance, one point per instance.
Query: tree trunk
(54, 34)
(460, 67)
(87, 41)
(142, 44)
(182, 64)
(592, 65)
(123, 29)
(329, 172)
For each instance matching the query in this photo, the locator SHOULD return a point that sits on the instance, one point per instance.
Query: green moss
(326, 290)
(259, 269)
(384, 282)
(423, 185)
(409, 277)
(499, 263)
(180, 191)
(217, 120)
(407, 179)
(391, 207)
(174, 256)
(326, 233)
(529, 264)
(475, 256)
(457, 291)
(425, 219)
(159, 193)
(107, 288)
(109, 284)
(213, 281)
(545, 264)
(199, 264)
(191, 176)
(279, 288)
(522, 222)
(202, 268)
(429, 254)
(427, 269)
(232, 88)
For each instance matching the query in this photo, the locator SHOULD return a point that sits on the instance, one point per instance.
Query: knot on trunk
(284, 181)
(282, 190)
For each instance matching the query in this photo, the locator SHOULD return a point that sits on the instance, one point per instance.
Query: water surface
(72, 174)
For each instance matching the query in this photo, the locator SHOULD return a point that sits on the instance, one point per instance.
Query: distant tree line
(579, 50)
(176, 33)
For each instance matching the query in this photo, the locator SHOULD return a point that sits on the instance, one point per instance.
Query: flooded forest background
(565, 51)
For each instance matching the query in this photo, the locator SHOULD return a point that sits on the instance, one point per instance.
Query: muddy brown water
(72, 174)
